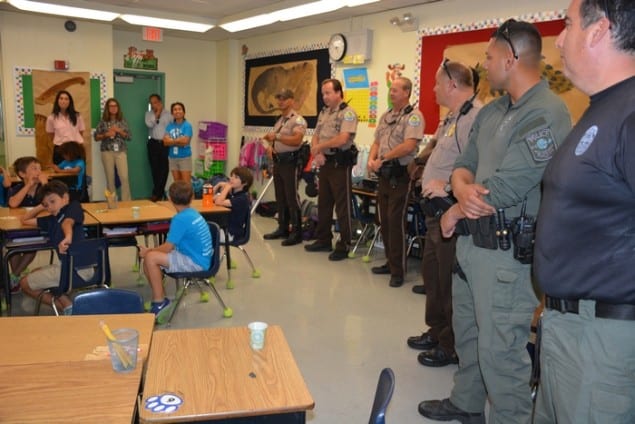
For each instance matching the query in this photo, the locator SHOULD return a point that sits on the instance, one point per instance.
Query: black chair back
(80, 258)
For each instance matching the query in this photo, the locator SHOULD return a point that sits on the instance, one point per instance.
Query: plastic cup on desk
(257, 334)
(123, 350)
(112, 201)
(136, 212)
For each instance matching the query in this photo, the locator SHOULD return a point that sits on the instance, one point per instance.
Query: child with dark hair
(64, 225)
(24, 194)
(188, 246)
(74, 163)
(234, 194)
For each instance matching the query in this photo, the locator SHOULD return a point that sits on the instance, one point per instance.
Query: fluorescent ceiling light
(290, 13)
(166, 23)
(68, 11)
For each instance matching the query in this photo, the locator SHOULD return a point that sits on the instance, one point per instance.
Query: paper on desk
(120, 230)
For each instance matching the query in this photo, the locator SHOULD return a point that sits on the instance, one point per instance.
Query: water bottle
(208, 195)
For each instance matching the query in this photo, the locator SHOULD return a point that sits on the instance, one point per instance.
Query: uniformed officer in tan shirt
(331, 145)
(397, 137)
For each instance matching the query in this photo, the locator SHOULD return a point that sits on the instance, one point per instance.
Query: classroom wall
(208, 76)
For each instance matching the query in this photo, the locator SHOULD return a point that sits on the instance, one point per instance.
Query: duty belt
(623, 311)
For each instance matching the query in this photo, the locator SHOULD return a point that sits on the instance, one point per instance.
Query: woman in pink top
(64, 124)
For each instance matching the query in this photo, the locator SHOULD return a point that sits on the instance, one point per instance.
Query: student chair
(369, 228)
(184, 279)
(240, 242)
(107, 301)
(383, 394)
(85, 264)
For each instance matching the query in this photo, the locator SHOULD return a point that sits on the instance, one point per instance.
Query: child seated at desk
(74, 163)
(64, 225)
(23, 194)
(234, 194)
(188, 246)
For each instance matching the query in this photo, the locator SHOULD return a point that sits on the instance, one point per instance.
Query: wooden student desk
(219, 377)
(148, 212)
(56, 369)
(11, 224)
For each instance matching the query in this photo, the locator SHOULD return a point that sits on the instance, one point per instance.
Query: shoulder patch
(300, 120)
(414, 120)
(349, 115)
(586, 140)
(541, 144)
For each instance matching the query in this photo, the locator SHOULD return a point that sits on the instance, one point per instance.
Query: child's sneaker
(15, 284)
(156, 307)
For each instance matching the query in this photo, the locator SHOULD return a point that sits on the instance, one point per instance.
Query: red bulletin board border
(432, 51)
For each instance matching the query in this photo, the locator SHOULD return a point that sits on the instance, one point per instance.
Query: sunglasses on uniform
(504, 32)
(444, 65)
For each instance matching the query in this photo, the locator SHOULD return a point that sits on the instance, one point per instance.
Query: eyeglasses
(504, 32)
(446, 69)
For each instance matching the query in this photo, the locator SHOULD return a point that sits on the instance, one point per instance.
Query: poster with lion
(46, 85)
(299, 72)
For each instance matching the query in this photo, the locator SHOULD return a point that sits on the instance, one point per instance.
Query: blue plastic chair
(239, 242)
(383, 394)
(107, 301)
(184, 279)
(81, 257)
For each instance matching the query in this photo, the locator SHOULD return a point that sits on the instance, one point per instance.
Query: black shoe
(423, 342)
(294, 238)
(384, 269)
(278, 234)
(338, 255)
(444, 410)
(395, 281)
(317, 246)
(419, 289)
(437, 357)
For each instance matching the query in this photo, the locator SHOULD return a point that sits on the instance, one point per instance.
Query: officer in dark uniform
(285, 141)
(496, 181)
(397, 137)
(332, 146)
(585, 240)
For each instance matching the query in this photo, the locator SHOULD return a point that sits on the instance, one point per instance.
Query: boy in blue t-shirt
(188, 246)
(64, 225)
(234, 194)
(74, 163)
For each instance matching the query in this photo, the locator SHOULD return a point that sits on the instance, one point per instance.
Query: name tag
(175, 150)
(115, 147)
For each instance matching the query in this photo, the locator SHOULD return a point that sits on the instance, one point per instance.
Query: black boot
(282, 232)
(295, 237)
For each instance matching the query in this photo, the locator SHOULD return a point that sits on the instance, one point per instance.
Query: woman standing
(177, 138)
(113, 132)
(64, 124)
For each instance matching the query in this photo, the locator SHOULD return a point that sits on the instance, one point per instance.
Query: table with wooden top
(56, 369)
(10, 226)
(213, 374)
(122, 215)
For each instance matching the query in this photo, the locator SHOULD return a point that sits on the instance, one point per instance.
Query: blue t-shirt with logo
(176, 130)
(189, 233)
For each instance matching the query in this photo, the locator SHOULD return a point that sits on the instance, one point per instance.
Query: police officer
(285, 141)
(455, 89)
(511, 141)
(157, 118)
(332, 146)
(585, 249)
(397, 137)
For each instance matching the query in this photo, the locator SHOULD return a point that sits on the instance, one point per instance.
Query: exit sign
(152, 34)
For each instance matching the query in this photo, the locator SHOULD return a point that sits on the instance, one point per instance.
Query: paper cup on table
(123, 350)
(136, 212)
(257, 331)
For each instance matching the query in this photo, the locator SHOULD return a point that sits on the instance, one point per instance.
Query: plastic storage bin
(209, 130)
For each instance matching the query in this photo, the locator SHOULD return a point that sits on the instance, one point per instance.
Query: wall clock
(337, 47)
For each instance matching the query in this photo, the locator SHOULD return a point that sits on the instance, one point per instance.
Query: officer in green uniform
(512, 140)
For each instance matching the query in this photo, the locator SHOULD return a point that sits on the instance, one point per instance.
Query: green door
(132, 89)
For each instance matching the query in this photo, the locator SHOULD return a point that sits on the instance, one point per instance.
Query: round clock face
(337, 47)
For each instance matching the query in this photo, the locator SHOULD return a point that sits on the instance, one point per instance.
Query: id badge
(115, 147)
(175, 150)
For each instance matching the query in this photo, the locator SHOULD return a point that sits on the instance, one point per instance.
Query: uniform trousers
(159, 166)
(334, 189)
(392, 200)
(285, 182)
(492, 314)
(436, 270)
(587, 368)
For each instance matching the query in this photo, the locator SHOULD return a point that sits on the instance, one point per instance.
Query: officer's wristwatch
(447, 188)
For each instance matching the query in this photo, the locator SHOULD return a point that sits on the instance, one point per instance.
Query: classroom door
(132, 89)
